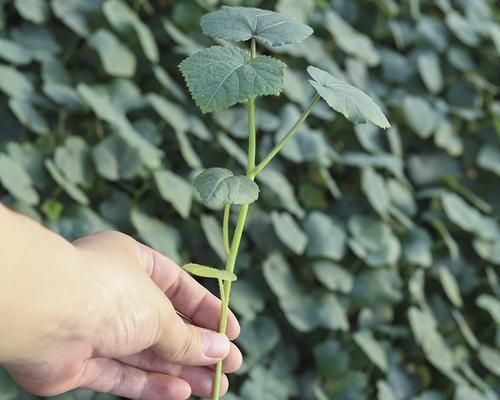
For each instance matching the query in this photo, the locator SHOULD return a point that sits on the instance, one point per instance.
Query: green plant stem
(238, 231)
(285, 139)
(225, 229)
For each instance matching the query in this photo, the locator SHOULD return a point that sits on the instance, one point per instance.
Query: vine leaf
(238, 24)
(348, 100)
(209, 272)
(218, 186)
(219, 77)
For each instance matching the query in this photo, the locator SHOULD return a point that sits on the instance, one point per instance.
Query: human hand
(125, 337)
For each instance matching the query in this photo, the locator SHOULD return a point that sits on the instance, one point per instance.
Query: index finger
(187, 296)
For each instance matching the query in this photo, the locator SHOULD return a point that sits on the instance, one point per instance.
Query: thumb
(186, 344)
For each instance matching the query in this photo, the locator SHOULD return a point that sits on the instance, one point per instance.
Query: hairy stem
(238, 231)
(285, 139)
(225, 229)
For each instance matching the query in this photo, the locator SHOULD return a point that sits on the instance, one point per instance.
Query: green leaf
(13, 52)
(157, 234)
(468, 218)
(175, 190)
(218, 186)
(385, 391)
(14, 84)
(16, 180)
(450, 286)
(348, 100)
(326, 237)
(209, 272)
(489, 159)
(122, 17)
(259, 337)
(219, 77)
(73, 159)
(36, 11)
(490, 358)
(490, 304)
(69, 187)
(419, 116)
(115, 159)
(375, 189)
(28, 115)
(76, 13)
(430, 71)
(372, 348)
(238, 24)
(351, 41)
(213, 232)
(289, 232)
(333, 276)
(117, 59)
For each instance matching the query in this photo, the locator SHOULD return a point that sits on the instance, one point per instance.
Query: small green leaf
(36, 11)
(15, 84)
(75, 13)
(372, 348)
(175, 190)
(348, 100)
(219, 77)
(28, 115)
(375, 189)
(15, 179)
(289, 232)
(13, 52)
(350, 40)
(489, 159)
(121, 17)
(450, 286)
(209, 272)
(237, 24)
(69, 187)
(218, 186)
(430, 71)
(117, 59)
(116, 159)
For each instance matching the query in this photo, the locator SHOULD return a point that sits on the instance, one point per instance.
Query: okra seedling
(220, 77)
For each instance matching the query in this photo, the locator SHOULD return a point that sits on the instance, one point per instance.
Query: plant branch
(225, 229)
(285, 139)
(238, 232)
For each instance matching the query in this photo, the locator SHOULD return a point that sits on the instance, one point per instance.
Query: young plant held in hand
(220, 77)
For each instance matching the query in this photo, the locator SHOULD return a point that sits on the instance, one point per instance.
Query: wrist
(39, 286)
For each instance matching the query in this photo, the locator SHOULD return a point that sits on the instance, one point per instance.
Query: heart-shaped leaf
(238, 24)
(209, 272)
(348, 100)
(218, 186)
(219, 77)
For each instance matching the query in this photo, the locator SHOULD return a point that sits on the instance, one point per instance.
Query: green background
(369, 268)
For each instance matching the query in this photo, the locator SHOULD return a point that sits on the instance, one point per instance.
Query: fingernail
(215, 345)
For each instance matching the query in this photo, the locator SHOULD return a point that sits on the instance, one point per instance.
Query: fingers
(185, 293)
(199, 378)
(187, 344)
(111, 376)
(150, 361)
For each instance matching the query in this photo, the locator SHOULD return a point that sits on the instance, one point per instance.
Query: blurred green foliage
(370, 270)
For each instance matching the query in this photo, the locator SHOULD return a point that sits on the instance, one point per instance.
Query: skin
(104, 313)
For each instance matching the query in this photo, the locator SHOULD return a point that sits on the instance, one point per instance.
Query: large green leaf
(238, 24)
(218, 186)
(348, 100)
(219, 77)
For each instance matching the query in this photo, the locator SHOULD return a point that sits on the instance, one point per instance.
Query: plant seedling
(219, 77)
